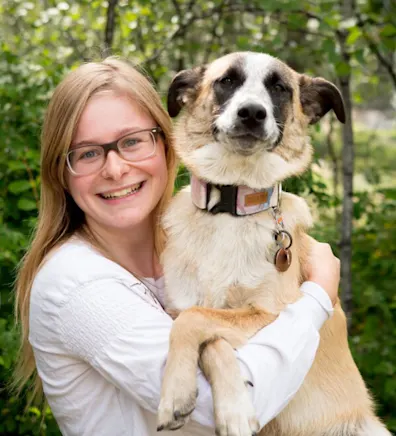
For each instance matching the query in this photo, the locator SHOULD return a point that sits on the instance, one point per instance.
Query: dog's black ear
(183, 89)
(318, 96)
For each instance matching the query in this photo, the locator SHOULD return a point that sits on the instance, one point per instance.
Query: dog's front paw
(176, 405)
(235, 415)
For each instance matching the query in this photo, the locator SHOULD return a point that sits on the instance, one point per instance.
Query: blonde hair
(59, 216)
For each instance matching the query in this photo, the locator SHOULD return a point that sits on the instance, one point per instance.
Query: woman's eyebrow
(119, 134)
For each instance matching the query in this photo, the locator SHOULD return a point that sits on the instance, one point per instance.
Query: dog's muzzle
(247, 133)
(248, 129)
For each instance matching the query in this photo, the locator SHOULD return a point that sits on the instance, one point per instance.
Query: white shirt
(100, 339)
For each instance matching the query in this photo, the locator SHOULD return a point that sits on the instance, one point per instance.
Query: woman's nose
(115, 166)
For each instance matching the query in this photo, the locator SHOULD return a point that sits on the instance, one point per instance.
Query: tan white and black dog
(242, 131)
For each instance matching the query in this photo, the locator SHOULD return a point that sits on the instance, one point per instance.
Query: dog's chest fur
(224, 261)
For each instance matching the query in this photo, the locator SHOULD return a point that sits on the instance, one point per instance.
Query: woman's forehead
(108, 114)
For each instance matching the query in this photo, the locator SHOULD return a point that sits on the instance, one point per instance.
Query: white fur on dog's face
(245, 119)
(251, 92)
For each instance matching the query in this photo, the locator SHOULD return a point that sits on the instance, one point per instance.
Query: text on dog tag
(283, 258)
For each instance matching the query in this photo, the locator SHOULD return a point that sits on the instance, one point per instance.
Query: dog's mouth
(247, 142)
(247, 136)
(244, 144)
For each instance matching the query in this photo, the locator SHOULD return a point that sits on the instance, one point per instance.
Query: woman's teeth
(123, 192)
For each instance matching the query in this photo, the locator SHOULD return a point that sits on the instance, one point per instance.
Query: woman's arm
(126, 340)
(284, 350)
(277, 359)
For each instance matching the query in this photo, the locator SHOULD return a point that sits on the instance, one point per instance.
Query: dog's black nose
(252, 114)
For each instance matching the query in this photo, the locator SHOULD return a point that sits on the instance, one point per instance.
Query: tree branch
(303, 31)
(139, 38)
(216, 23)
(178, 32)
(224, 9)
(177, 7)
(387, 64)
(74, 44)
(110, 23)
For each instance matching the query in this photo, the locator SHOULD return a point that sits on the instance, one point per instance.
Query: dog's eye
(279, 87)
(226, 80)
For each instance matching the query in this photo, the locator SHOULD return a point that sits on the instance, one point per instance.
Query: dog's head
(245, 117)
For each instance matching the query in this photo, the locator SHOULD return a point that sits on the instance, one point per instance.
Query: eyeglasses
(133, 147)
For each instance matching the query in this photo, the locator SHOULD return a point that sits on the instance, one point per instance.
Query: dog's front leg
(179, 384)
(233, 409)
(193, 329)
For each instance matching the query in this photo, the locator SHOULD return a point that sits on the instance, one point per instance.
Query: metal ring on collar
(280, 237)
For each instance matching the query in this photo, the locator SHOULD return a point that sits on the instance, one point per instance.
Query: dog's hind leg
(194, 328)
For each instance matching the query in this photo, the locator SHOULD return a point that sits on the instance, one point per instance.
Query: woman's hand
(323, 268)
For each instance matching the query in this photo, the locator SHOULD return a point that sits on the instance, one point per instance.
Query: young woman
(90, 288)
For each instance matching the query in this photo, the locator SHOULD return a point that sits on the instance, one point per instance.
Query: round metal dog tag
(283, 259)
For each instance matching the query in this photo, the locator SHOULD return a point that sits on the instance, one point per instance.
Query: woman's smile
(122, 193)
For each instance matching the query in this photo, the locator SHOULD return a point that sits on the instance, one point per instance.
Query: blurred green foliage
(41, 40)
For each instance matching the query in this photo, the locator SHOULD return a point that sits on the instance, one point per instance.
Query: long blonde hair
(59, 216)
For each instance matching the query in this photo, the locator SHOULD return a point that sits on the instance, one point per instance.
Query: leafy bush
(24, 89)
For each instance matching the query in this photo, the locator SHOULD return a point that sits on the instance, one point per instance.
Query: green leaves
(354, 34)
(26, 204)
(388, 30)
(343, 68)
(375, 308)
(19, 186)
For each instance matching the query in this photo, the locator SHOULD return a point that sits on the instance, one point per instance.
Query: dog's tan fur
(221, 262)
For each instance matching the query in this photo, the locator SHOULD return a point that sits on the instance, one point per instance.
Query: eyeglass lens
(133, 147)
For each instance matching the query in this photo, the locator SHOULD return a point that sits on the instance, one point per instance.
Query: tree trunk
(334, 158)
(348, 157)
(110, 24)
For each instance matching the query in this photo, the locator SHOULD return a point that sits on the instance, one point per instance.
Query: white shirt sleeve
(126, 340)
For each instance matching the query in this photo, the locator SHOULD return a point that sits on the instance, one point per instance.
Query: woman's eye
(130, 142)
(90, 154)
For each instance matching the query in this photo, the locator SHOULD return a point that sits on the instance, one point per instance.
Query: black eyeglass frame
(114, 146)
